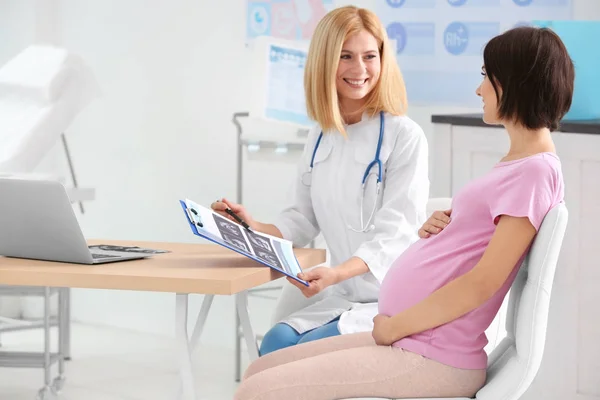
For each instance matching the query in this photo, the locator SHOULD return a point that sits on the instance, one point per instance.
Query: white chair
(514, 363)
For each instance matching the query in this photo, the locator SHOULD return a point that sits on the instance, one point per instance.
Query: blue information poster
(439, 43)
(285, 94)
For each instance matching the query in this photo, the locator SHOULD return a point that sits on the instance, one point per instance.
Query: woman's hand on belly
(435, 224)
(382, 330)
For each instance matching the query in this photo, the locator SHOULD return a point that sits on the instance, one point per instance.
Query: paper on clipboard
(268, 250)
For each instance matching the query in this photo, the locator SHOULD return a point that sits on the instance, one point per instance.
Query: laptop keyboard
(94, 255)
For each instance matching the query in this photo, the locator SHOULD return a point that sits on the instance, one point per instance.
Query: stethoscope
(364, 227)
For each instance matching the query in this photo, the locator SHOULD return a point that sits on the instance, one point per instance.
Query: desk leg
(200, 320)
(187, 347)
(59, 381)
(66, 325)
(241, 300)
(183, 346)
(238, 348)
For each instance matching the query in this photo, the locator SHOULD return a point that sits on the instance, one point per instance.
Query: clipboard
(272, 252)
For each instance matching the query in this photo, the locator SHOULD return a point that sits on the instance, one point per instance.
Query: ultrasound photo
(227, 227)
(269, 258)
(236, 242)
(232, 234)
(259, 243)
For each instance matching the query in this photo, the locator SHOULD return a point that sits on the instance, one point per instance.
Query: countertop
(567, 126)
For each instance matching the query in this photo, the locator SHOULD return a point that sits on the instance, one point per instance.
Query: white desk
(189, 268)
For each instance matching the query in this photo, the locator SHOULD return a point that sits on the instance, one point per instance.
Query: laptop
(37, 222)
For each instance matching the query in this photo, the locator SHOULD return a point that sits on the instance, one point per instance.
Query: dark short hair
(535, 73)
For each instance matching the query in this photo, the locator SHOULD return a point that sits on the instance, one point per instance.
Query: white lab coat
(333, 201)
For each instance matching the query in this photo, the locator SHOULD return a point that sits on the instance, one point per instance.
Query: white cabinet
(571, 366)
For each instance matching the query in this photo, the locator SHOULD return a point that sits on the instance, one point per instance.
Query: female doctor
(362, 180)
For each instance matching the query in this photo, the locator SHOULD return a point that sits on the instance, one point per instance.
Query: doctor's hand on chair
(435, 224)
(318, 279)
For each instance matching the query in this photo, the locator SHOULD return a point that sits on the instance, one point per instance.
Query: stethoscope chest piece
(307, 178)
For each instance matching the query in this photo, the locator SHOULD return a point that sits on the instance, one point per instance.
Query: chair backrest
(515, 362)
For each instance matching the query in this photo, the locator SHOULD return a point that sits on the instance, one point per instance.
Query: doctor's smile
(356, 83)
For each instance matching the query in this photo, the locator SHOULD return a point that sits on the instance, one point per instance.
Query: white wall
(172, 74)
(17, 22)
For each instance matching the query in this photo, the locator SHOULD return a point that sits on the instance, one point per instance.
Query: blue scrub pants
(283, 335)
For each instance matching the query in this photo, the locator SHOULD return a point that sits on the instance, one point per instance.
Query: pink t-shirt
(528, 187)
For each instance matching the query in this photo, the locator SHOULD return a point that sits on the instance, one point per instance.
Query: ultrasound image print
(259, 243)
(232, 234)
(228, 227)
(269, 258)
(236, 242)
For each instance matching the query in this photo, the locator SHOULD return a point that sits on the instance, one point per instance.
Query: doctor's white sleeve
(297, 222)
(403, 208)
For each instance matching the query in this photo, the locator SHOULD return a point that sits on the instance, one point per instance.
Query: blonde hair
(389, 93)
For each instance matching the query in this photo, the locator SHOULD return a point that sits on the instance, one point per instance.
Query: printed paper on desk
(268, 250)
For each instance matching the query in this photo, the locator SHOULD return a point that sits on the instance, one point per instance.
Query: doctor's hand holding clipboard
(362, 181)
(318, 278)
